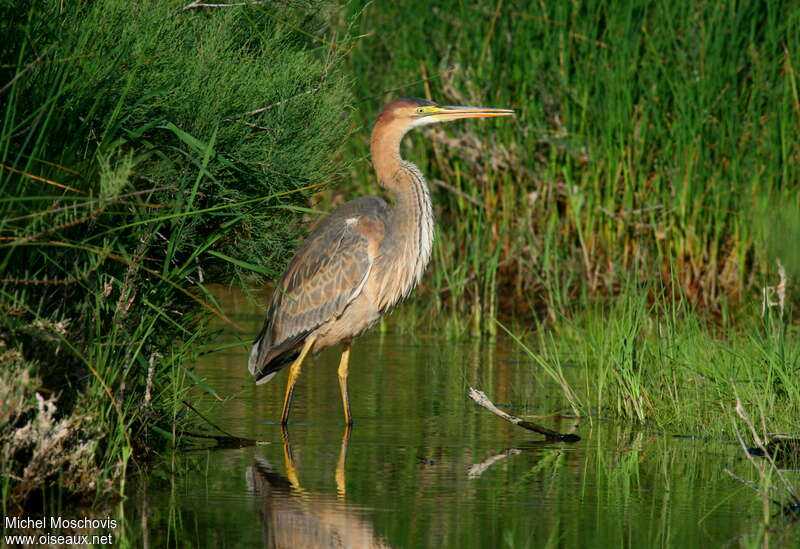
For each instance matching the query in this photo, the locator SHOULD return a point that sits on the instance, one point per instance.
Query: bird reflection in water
(293, 517)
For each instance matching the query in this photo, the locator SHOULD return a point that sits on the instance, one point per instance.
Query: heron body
(360, 260)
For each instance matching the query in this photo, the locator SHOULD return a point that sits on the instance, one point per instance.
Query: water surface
(425, 467)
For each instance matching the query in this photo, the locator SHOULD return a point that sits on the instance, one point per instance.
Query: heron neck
(402, 179)
(409, 237)
(385, 152)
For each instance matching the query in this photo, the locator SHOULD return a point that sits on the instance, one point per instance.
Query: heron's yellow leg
(288, 461)
(294, 373)
(341, 488)
(343, 383)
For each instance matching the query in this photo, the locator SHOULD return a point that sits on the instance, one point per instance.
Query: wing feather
(328, 271)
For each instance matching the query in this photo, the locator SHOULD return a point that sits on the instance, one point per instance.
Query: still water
(425, 467)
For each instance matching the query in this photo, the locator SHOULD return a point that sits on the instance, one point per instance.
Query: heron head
(412, 112)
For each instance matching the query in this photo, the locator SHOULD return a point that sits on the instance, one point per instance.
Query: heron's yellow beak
(445, 113)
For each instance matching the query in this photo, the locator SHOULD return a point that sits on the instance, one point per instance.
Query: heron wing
(328, 271)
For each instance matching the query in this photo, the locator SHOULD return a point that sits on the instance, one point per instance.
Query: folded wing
(328, 271)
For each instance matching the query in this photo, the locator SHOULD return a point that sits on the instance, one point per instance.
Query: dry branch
(28, 67)
(458, 192)
(480, 398)
(272, 106)
(197, 4)
(225, 441)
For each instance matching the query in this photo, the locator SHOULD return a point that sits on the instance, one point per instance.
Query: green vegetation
(644, 206)
(143, 152)
(663, 365)
(641, 206)
(648, 133)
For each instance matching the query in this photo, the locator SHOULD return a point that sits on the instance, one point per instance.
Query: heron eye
(420, 110)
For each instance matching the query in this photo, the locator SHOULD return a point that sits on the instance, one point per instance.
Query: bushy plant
(145, 151)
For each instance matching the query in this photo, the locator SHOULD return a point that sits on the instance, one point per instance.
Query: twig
(88, 217)
(204, 418)
(90, 203)
(474, 275)
(459, 192)
(227, 440)
(26, 69)
(272, 106)
(256, 126)
(740, 411)
(53, 282)
(480, 398)
(750, 484)
(197, 4)
(41, 179)
(625, 213)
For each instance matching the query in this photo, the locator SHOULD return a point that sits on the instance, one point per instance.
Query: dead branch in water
(480, 398)
(226, 440)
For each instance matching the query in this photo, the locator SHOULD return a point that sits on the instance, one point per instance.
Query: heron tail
(266, 360)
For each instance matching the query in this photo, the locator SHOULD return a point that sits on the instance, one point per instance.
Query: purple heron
(360, 260)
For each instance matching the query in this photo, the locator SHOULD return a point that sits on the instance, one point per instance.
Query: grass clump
(641, 360)
(143, 153)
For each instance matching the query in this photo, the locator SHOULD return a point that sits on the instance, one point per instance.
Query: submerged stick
(225, 441)
(480, 398)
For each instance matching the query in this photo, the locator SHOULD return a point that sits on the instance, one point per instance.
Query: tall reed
(647, 135)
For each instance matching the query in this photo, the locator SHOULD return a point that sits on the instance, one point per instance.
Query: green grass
(648, 135)
(133, 170)
(637, 208)
(641, 360)
(145, 152)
